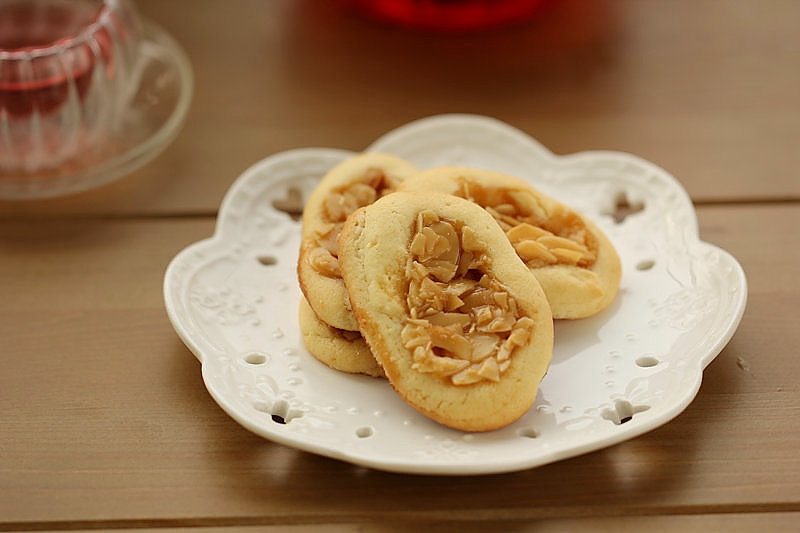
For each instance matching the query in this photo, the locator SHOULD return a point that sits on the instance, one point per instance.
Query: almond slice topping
(535, 234)
(464, 325)
(338, 205)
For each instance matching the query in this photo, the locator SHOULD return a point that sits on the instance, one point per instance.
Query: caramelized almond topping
(324, 263)
(539, 239)
(463, 325)
(338, 205)
(533, 251)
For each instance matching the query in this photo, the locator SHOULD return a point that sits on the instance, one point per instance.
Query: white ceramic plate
(233, 300)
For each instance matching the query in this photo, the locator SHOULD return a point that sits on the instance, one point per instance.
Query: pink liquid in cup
(32, 77)
(58, 77)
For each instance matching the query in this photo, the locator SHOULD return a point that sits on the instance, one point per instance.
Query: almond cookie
(338, 348)
(576, 264)
(354, 183)
(459, 324)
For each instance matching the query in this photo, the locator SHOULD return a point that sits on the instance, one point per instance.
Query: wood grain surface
(706, 89)
(104, 418)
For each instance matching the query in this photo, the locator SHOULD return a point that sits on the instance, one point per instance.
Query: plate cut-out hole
(623, 208)
(267, 260)
(646, 264)
(623, 412)
(280, 413)
(646, 361)
(255, 358)
(528, 433)
(291, 204)
(365, 432)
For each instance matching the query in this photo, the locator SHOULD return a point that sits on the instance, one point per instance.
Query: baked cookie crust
(356, 182)
(396, 263)
(342, 350)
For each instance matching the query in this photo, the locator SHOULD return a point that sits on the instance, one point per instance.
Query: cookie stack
(446, 282)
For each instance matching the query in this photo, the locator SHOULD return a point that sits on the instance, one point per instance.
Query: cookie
(576, 264)
(456, 320)
(356, 182)
(339, 349)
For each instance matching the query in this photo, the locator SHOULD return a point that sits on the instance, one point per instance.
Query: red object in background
(449, 15)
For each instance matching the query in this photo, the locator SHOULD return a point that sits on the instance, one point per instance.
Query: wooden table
(104, 418)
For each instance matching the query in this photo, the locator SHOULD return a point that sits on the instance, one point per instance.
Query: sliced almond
(554, 241)
(526, 231)
(450, 319)
(323, 262)
(564, 255)
(449, 340)
(529, 250)
(426, 361)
